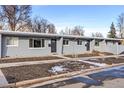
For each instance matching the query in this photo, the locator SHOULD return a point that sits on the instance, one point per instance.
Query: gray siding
(101, 47)
(109, 47)
(92, 45)
(0, 45)
(23, 49)
(60, 46)
(112, 48)
(73, 48)
(120, 49)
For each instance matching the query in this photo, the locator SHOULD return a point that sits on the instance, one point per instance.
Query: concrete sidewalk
(3, 80)
(3, 65)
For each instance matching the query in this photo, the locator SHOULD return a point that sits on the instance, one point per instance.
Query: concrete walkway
(61, 56)
(3, 80)
(3, 65)
(115, 83)
(93, 63)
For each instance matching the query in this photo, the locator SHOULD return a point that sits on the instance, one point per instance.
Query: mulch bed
(21, 73)
(9, 60)
(82, 55)
(109, 61)
(94, 53)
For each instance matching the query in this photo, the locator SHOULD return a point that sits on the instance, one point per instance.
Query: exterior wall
(92, 42)
(73, 48)
(0, 45)
(120, 49)
(112, 48)
(60, 46)
(101, 47)
(108, 47)
(23, 49)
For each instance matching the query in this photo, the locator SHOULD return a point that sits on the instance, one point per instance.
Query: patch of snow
(57, 69)
(91, 66)
(3, 80)
(93, 63)
(94, 59)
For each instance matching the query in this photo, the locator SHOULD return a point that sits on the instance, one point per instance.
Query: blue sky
(92, 18)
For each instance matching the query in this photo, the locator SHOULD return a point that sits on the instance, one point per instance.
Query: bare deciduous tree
(78, 30)
(16, 17)
(120, 25)
(62, 32)
(67, 31)
(51, 28)
(97, 34)
(42, 26)
(39, 25)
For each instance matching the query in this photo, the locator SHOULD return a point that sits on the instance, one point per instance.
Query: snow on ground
(3, 80)
(94, 63)
(57, 69)
(94, 59)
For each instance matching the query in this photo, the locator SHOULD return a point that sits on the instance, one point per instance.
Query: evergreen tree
(112, 32)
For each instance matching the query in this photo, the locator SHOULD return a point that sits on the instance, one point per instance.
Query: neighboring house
(28, 44)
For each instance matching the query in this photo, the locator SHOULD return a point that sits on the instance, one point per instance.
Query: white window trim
(37, 47)
(68, 42)
(12, 45)
(81, 43)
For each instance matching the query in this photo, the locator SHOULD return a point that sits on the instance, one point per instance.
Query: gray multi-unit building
(28, 44)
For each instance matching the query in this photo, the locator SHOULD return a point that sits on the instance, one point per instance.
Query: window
(36, 43)
(79, 42)
(97, 43)
(12, 41)
(106, 42)
(109, 42)
(114, 42)
(65, 42)
(119, 43)
(43, 43)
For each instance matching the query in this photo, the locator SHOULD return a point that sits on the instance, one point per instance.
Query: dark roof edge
(18, 33)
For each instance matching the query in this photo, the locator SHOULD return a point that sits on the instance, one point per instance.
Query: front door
(88, 45)
(53, 45)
